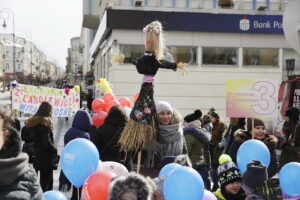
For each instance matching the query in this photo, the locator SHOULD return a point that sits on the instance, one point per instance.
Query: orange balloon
(98, 118)
(111, 104)
(96, 186)
(124, 102)
(98, 104)
(108, 97)
(135, 97)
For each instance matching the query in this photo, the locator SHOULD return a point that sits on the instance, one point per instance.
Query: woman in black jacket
(106, 137)
(45, 151)
(259, 132)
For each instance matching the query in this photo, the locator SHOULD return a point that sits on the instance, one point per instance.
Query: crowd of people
(198, 140)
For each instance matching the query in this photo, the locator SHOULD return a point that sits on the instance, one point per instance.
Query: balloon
(184, 183)
(99, 118)
(128, 111)
(98, 104)
(54, 195)
(167, 169)
(208, 196)
(96, 186)
(115, 167)
(289, 178)
(252, 150)
(111, 104)
(79, 159)
(108, 96)
(124, 102)
(135, 97)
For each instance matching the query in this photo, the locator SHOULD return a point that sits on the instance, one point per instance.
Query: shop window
(182, 54)
(132, 50)
(260, 57)
(219, 56)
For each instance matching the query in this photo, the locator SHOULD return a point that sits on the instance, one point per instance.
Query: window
(6, 66)
(19, 66)
(132, 50)
(219, 56)
(181, 54)
(261, 57)
(6, 54)
(19, 54)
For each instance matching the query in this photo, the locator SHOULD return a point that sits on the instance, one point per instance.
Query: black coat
(44, 148)
(106, 138)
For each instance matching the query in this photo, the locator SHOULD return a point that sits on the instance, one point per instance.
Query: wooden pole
(139, 162)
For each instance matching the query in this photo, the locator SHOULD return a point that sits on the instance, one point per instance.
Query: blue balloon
(79, 159)
(289, 178)
(184, 183)
(252, 150)
(167, 169)
(54, 195)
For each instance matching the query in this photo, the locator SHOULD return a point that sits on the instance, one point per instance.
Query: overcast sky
(51, 23)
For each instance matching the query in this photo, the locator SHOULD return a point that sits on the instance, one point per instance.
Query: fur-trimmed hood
(242, 135)
(132, 182)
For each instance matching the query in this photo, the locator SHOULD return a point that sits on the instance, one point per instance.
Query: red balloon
(96, 186)
(124, 102)
(98, 118)
(109, 96)
(98, 104)
(111, 104)
(135, 97)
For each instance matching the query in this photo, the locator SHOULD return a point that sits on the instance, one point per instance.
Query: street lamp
(5, 12)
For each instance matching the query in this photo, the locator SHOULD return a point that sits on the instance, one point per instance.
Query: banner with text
(27, 99)
(251, 98)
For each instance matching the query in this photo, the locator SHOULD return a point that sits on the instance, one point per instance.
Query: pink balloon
(111, 104)
(124, 102)
(98, 118)
(115, 167)
(109, 96)
(208, 196)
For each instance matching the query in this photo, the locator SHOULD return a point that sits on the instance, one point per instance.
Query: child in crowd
(230, 180)
(257, 185)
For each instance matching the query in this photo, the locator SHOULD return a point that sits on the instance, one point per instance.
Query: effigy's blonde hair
(154, 39)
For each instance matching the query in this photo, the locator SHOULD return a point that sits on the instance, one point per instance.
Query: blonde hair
(154, 39)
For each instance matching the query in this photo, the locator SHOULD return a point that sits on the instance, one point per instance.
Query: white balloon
(127, 110)
(117, 168)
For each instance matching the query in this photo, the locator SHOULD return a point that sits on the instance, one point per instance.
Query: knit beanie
(228, 171)
(133, 186)
(12, 146)
(193, 116)
(293, 113)
(257, 122)
(163, 106)
(255, 175)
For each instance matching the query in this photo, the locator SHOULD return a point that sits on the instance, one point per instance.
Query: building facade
(244, 40)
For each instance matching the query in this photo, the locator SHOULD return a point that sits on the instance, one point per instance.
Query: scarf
(170, 140)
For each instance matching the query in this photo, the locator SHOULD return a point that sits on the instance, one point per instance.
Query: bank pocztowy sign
(192, 21)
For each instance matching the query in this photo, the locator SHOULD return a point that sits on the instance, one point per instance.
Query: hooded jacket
(81, 126)
(197, 140)
(270, 141)
(18, 180)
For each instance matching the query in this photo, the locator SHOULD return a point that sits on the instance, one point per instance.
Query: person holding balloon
(81, 125)
(291, 144)
(40, 124)
(106, 137)
(230, 179)
(259, 132)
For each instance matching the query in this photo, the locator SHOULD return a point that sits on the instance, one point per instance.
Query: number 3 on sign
(267, 103)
